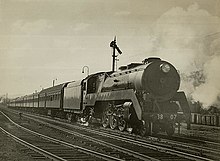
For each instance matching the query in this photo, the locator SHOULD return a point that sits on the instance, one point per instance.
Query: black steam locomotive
(141, 97)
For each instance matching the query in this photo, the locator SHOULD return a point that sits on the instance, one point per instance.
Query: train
(140, 97)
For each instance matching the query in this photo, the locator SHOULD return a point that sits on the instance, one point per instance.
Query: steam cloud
(190, 40)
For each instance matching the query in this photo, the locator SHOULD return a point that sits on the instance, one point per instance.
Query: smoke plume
(189, 38)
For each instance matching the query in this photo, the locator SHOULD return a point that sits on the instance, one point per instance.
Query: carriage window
(91, 85)
(84, 86)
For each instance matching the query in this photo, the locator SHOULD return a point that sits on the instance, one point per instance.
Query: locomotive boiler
(155, 77)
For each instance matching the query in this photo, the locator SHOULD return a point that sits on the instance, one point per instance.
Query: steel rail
(135, 154)
(136, 142)
(201, 150)
(154, 147)
(121, 149)
(197, 148)
(84, 150)
(197, 140)
(33, 147)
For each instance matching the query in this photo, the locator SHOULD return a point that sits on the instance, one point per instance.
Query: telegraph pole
(6, 98)
(54, 81)
(113, 58)
(114, 46)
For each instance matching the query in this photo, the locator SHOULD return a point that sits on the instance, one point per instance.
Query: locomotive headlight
(165, 67)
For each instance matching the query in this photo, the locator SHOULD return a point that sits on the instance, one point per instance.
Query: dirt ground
(10, 150)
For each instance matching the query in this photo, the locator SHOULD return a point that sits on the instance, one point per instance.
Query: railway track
(203, 147)
(200, 147)
(155, 150)
(114, 154)
(43, 147)
(192, 151)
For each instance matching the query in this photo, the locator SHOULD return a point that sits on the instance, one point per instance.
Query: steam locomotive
(140, 97)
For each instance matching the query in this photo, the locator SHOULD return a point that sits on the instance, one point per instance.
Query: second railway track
(45, 147)
(136, 147)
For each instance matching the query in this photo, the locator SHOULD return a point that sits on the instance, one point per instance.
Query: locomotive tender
(140, 96)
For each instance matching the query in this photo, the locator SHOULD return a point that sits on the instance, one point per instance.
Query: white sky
(41, 40)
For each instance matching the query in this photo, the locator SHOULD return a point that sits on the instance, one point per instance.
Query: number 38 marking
(160, 116)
